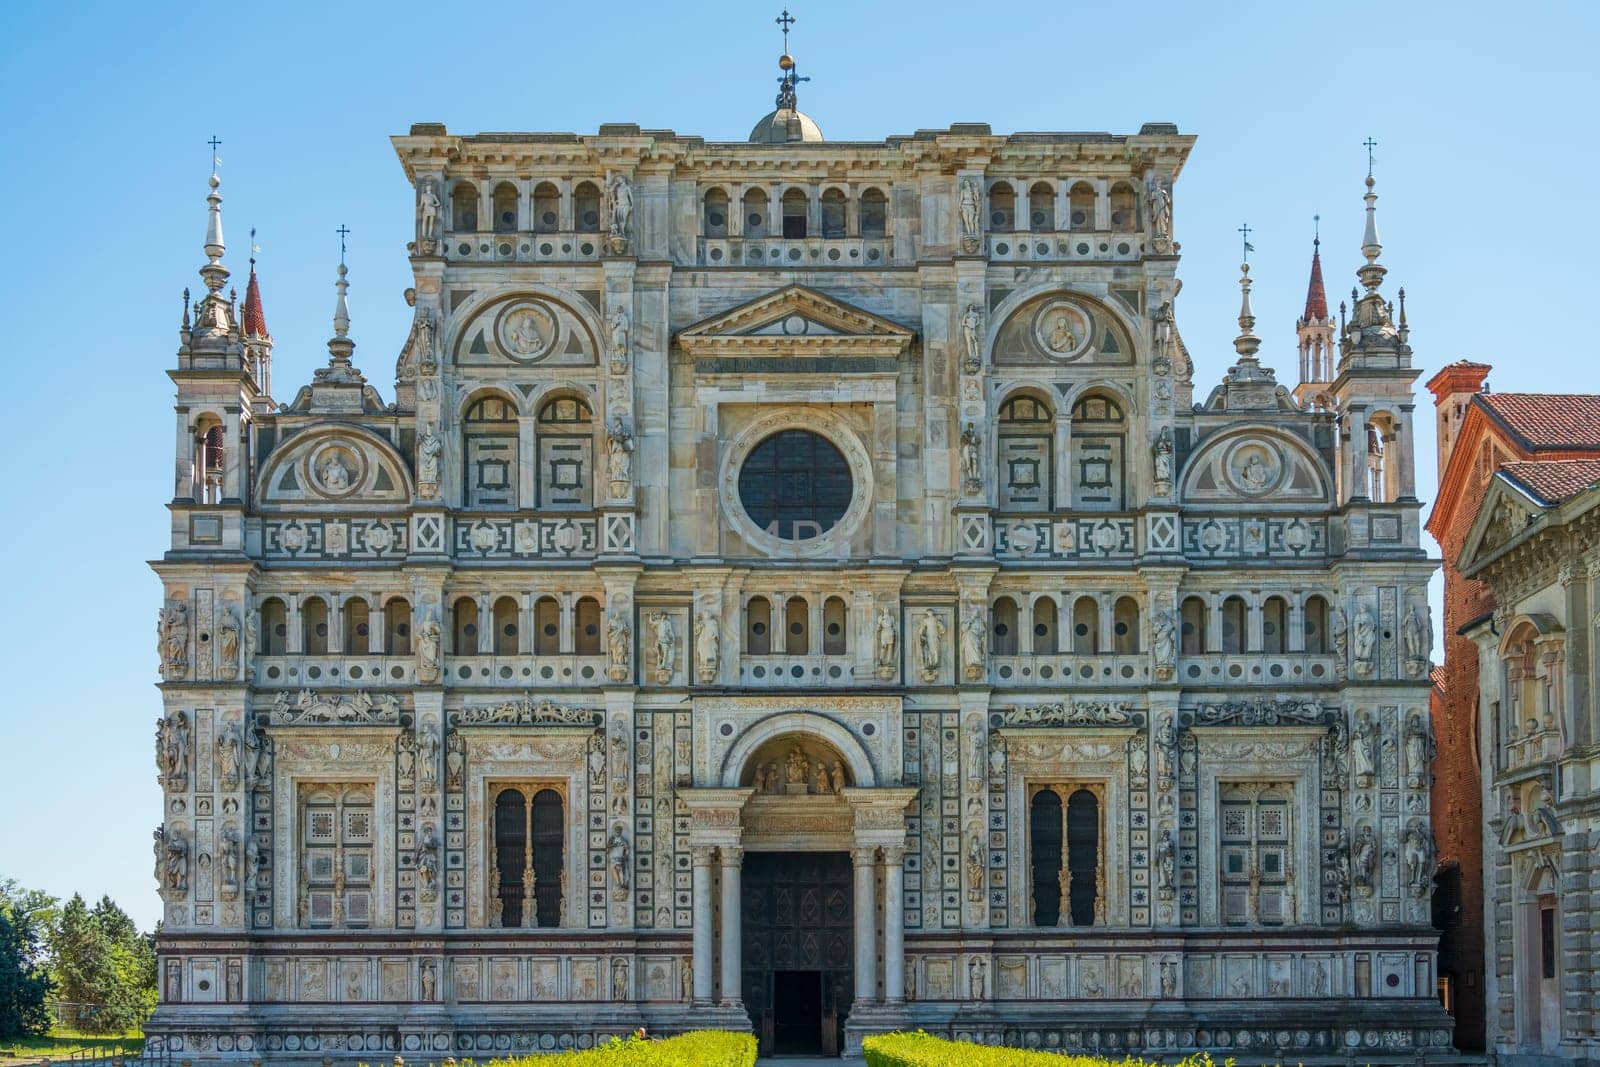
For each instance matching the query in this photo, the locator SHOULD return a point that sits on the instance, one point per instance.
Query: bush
(925, 1050)
(703, 1048)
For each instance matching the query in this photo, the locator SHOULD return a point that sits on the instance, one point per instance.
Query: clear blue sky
(1486, 166)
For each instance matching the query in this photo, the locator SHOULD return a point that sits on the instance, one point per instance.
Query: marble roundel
(1063, 330)
(336, 468)
(526, 331)
(1254, 467)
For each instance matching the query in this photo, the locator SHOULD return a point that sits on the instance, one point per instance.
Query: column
(565, 641)
(894, 925)
(701, 857)
(377, 631)
(1406, 457)
(293, 640)
(865, 860)
(732, 943)
(485, 624)
(336, 623)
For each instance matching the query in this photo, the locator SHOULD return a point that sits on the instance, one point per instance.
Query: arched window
(833, 213)
(510, 858)
(796, 628)
(1234, 624)
(1046, 635)
(314, 626)
(464, 626)
(1124, 209)
(755, 213)
(464, 207)
(208, 462)
(587, 638)
(1083, 855)
(1380, 475)
(546, 208)
(564, 434)
(1003, 625)
(1098, 431)
(505, 208)
(357, 628)
(549, 827)
(1274, 625)
(758, 626)
(1080, 205)
(489, 453)
(274, 627)
(1193, 626)
(874, 214)
(546, 627)
(586, 208)
(1085, 627)
(714, 213)
(1314, 625)
(835, 627)
(397, 627)
(1044, 837)
(794, 213)
(1125, 626)
(529, 846)
(1026, 443)
(505, 626)
(1002, 208)
(1041, 208)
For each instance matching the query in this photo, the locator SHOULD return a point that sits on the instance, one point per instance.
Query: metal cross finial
(342, 231)
(785, 20)
(1244, 230)
(215, 160)
(1369, 144)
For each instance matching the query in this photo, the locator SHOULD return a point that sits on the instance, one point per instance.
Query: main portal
(797, 924)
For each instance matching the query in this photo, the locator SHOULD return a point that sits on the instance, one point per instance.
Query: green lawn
(63, 1043)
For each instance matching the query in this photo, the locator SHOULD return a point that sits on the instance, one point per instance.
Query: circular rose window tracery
(795, 485)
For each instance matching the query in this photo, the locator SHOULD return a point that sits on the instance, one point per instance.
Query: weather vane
(1244, 231)
(255, 249)
(1370, 144)
(1316, 229)
(342, 231)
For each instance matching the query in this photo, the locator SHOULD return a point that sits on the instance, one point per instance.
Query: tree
(104, 967)
(24, 980)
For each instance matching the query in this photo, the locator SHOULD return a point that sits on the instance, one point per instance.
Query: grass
(703, 1048)
(61, 1044)
(924, 1050)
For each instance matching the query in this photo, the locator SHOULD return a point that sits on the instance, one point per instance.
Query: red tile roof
(1437, 676)
(1547, 420)
(1554, 480)
(1316, 295)
(254, 321)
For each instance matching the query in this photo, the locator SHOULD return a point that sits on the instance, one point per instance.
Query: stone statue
(819, 780)
(1160, 211)
(836, 777)
(173, 631)
(597, 762)
(686, 981)
(1364, 858)
(1418, 640)
(252, 866)
(429, 748)
(1169, 979)
(972, 634)
(619, 979)
(797, 769)
(619, 462)
(664, 645)
(972, 339)
(1341, 857)
(228, 756)
(1419, 743)
(1366, 628)
(971, 461)
(428, 865)
(428, 209)
(930, 640)
(174, 735)
(769, 778)
(617, 858)
(1364, 747)
(619, 647)
(1138, 763)
(1166, 863)
(430, 981)
(1161, 460)
(1339, 626)
(619, 208)
(1419, 860)
(335, 475)
(177, 861)
(1166, 756)
(977, 978)
(617, 331)
(252, 636)
(974, 869)
(250, 763)
(230, 858)
(429, 448)
(228, 641)
(707, 642)
(455, 761)
(884, 637)
(428, 640)
(970, 199)
(1165, 626)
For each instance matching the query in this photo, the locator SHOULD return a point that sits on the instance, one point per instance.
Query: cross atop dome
(787, 124)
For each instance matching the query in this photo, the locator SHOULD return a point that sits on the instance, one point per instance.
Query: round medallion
(336, 469)
(795, 324)
(1063, 330)
(1254, 468)
(526, 331)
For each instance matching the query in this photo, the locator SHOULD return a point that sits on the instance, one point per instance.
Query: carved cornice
(1262, 712)
(1073, 713)
(523, 711)
(310, 708)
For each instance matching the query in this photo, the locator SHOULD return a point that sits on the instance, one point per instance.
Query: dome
(785, 126)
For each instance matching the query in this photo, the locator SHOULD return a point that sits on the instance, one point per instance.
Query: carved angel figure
(930, 638)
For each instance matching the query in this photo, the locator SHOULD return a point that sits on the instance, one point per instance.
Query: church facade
(795, 587)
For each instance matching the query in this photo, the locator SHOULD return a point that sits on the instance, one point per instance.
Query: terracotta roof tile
(1554, 480)
(255, 321)
(1316, 295)
(1547, 420)
(1437, 676)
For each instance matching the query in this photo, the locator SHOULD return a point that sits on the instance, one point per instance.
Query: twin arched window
(526, 874)
(564, 447)
(1064, 856)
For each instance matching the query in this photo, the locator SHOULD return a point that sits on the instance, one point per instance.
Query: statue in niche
(250, 762)
(970, 199)
(1364, 747)
(1419, 860)
(406, 757)
(172, 734)
(884, 638)
(252, 636)
(930, 639)
(1419, 750)
(836, 777)
(663, 645)
(1341, 860)
(172, 629)
(228, 756)
(430, 447)
(619, 210)
(428, 640)
(707, 642)
(974, 868)
(971, 461)
(176, 852)
(230, 858)
(1161, 215)
(1138, 763)
(619, 979)
(1339, 627)
(977, 978)
(429, 756)
(1418, 639)
(972, 634)
(428, 212)
(1166, 863)
(617, 330)
(1364, 859)
(1161, 460)
(228, 641)
(335, 475)
(619, 645)
(617, 858)
(767, 778)
(972, 339)
(428, 865)
(252, 866)
(1165, 643)
(1366, 634)
(797, 769)
(1169, 979)
(686, 981)
(819, 780)
(1166, 756)
(430, 981)
(455, 761)
(619, 461)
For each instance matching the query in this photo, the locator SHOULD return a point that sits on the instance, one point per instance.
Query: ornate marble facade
(745, 500)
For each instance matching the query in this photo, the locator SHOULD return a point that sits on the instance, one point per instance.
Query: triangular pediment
(795, 321)
(1507, 510)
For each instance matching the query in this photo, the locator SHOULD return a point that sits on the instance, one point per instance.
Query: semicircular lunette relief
(526, 329)
(1062, 329)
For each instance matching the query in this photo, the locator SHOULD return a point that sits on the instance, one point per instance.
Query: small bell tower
(1315, 331)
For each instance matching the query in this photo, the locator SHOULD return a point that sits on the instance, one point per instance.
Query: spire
(1315, 333)
(1247, 343)
(252, 318)
(339, 345)
(213, 332)
(1316, 294)
(1371, 273)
